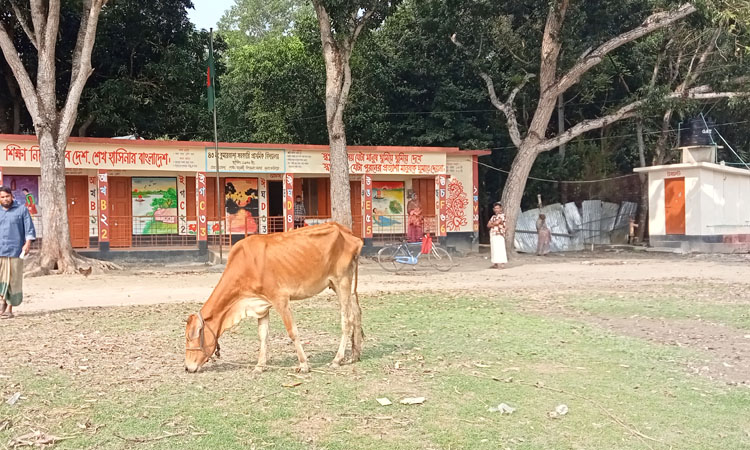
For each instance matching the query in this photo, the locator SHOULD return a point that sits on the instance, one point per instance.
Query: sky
(208, 12)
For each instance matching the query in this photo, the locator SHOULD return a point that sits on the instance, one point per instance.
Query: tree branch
(551, 45)
(652, 23)
(24, 24)
(82, 61)
(625, 112)
(19, 71)
(360, 25)
(39, 19)
(630, 110)
(506, 107)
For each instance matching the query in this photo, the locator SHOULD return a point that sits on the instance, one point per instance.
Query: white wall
(726, 202)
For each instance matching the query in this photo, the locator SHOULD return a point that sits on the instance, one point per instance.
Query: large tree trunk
(53, 121)
(643, 207)
(514, 188)
(336, 83)
(341, 209)
(57, 251)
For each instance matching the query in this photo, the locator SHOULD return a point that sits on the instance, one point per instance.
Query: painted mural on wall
(25, 191)
(388, 211)
(458, 200)
(154, 205)
(241, 205)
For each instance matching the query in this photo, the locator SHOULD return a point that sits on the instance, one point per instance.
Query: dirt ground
(542, 283)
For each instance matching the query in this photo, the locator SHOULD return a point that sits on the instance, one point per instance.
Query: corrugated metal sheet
(609, 217)
(574, 221)
(591, 224)
(526, 235)
(526, 238)
(597, 222)
(622, 225)
(555, 215)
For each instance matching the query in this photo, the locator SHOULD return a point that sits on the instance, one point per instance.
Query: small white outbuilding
(698, 205)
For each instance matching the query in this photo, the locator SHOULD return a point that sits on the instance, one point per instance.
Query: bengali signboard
(108, 156)
(246, 160)
(371, 163)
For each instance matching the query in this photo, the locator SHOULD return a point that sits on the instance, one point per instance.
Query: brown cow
(270, 270)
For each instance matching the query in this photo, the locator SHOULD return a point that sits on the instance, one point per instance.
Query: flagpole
(219, 205)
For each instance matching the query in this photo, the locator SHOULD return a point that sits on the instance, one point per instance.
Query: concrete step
(668, 244)
(674, 250)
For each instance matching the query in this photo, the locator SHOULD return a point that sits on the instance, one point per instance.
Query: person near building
(415, 219)
(497, 237)
(299, 212)
(544, 236)
(631, 230)
(17, 232)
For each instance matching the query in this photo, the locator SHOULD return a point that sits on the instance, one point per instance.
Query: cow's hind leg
(358, 336)
(263, 335)
(343, 290)
(291, 328)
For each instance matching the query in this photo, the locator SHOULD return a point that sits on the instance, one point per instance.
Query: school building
(127, 195)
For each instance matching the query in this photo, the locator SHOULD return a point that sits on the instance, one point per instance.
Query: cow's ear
(192, 331)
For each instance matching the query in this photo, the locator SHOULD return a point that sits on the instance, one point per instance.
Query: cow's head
(200, 343)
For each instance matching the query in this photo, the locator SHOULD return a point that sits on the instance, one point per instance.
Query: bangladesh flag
(210, 78)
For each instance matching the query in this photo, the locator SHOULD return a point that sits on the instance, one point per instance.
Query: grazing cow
(265, 271)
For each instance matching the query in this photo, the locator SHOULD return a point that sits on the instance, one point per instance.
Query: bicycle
(393, 258)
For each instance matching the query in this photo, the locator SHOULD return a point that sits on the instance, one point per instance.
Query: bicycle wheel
(440, 259)
(387, 257)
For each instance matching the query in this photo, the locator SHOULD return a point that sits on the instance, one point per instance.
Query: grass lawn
(113, 378)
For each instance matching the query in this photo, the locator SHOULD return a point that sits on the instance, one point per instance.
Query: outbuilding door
(674, 189)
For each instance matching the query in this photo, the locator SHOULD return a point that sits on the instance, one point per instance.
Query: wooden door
(76, 189)
(121, 219)
(356, 205)
(674, 193)
(425, 189)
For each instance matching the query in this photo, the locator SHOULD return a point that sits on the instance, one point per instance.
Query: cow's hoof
(335, 365)
(303, 368)
(258, 369)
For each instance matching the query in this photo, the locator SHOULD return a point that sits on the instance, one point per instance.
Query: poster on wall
(241, 205)
(154, 205)
(388, 214)
(25, 191)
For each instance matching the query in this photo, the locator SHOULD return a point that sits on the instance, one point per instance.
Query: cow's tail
(356, 295)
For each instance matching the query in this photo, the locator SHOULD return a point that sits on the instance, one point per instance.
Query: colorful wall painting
(25, 191)
(458, 201)
(154, 205)
(241, 205)
(388, 211)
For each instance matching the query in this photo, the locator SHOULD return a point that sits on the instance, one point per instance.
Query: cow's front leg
(291, 329)
(263, 323)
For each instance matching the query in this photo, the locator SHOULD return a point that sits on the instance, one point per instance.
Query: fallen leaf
(291, 385)
(384, 401)
(502, 408)
(413, 401)
(13, 399)
(560, 410)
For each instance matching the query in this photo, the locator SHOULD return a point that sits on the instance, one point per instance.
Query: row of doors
(120, 203)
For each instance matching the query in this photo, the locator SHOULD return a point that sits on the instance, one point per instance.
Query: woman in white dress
(497, 237)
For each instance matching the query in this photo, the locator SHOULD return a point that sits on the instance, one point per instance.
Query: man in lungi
(16, 233)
